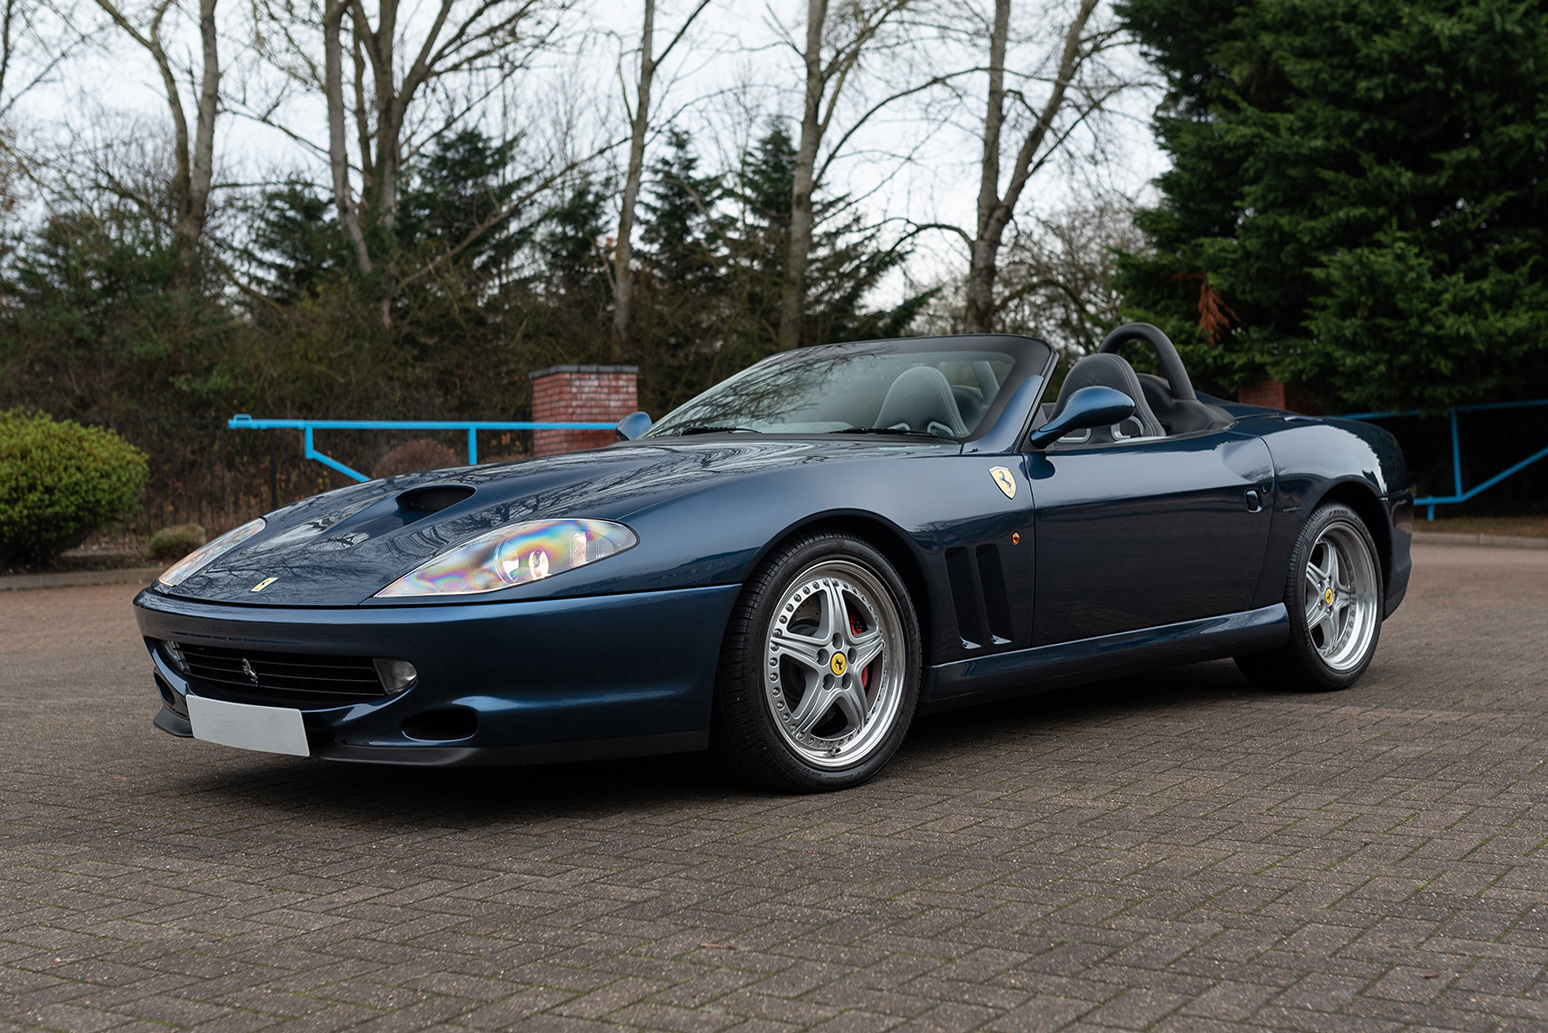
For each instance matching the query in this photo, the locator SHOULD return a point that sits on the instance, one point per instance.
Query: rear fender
(1318, 461)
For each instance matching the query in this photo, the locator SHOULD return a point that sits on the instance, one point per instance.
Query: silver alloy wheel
(834, 664)
(1340, 592)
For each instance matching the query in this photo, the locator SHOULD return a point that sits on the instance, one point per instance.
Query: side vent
(964, 596)
(434, 498)
(996, 601)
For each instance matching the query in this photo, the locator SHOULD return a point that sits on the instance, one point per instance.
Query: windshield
(871, 389)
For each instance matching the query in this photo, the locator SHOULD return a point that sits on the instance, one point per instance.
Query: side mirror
(1089, 407)
(633, 425)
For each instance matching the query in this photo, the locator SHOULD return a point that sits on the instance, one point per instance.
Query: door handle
(1254, 502)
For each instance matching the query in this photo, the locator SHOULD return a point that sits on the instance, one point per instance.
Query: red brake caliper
(856, 629)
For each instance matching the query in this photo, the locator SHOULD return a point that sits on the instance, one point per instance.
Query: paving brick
(1177, 852)
(1138, 1008)
(1043, 1014)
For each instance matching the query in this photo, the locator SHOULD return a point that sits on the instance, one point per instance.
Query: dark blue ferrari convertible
(790, 567)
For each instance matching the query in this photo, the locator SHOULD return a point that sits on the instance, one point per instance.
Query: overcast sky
(918, 160)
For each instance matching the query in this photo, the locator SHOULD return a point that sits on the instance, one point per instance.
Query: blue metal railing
(242, 421)
(1458, 494)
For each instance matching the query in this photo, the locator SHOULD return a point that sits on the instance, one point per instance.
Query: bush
(59, 482)
(419, 454)
(173, 543)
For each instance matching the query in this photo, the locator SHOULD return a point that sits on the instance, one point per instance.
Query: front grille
(292, 679)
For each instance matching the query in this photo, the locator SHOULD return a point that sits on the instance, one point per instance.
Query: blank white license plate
(248, 727)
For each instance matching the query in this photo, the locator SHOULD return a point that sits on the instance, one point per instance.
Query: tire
(1335, 596)
(805, 702)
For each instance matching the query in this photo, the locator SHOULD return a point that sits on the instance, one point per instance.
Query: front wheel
(1334, 595)
(820, 670)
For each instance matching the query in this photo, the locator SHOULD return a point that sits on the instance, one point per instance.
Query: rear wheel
(1334, 598)
(820, 670)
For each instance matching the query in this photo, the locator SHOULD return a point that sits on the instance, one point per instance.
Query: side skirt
(1042, 668)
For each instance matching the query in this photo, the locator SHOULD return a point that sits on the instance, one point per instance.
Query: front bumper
(548, 680)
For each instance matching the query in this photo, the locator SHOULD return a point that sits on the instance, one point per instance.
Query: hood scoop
(434, 497)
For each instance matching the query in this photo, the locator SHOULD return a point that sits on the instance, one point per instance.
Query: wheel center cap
(1327, 596)
(838, 664)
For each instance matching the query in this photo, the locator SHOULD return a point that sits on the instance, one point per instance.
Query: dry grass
(1518, 526)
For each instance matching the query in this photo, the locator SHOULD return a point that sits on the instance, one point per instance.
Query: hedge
(59, 482)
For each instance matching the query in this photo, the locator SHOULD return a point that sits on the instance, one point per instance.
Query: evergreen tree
(457, 239)
(91, 319)
(848, 258)
(321, 345)
(1358, 198)
(759, 240)
(713, 260)
(296, 245)
(574, 269)
(459, 200)
(682, 235)
(682, 299)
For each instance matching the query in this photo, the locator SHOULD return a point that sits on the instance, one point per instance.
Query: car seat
(1114, 371)
(921, 399)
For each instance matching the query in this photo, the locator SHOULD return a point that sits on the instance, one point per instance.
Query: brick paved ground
(1181, 853)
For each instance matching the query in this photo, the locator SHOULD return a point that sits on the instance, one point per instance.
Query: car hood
(342, 547)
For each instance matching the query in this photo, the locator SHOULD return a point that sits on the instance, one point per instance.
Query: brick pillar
(1275, 394)
(1269, 393)
(580, 394)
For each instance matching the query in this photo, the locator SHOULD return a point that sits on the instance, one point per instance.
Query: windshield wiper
(715, 430)
(884, 430)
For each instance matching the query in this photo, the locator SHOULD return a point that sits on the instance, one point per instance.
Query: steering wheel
(1171, 364)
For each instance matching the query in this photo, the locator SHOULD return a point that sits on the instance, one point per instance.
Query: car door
(1140, 533)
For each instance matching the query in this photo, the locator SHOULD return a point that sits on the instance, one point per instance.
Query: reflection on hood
(340, 548)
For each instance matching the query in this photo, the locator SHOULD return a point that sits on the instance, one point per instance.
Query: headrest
(1114, 371)
(919, 397)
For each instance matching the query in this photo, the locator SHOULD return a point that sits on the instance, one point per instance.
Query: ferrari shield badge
(1003, 478)
(265, 583)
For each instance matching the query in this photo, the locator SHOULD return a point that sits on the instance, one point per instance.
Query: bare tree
(37, 38)
(461, 37)
(1056, 274)
(639, 125)
(13, 14)
(1068, 104)
(393, 78)
(830, 60)
(338, 147)
(193, 150)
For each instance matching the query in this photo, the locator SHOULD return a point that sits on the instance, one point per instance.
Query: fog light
(175, 655)
(396, 675)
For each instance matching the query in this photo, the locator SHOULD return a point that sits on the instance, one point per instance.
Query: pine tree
(460, 200)
(849, 258)
(682, 301)
(96, 315)
(682, 235)
(570, 248)
(1358, 197)
(296, 246)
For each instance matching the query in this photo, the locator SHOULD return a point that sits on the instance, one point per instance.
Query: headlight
(180, 571)
(515, 555)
